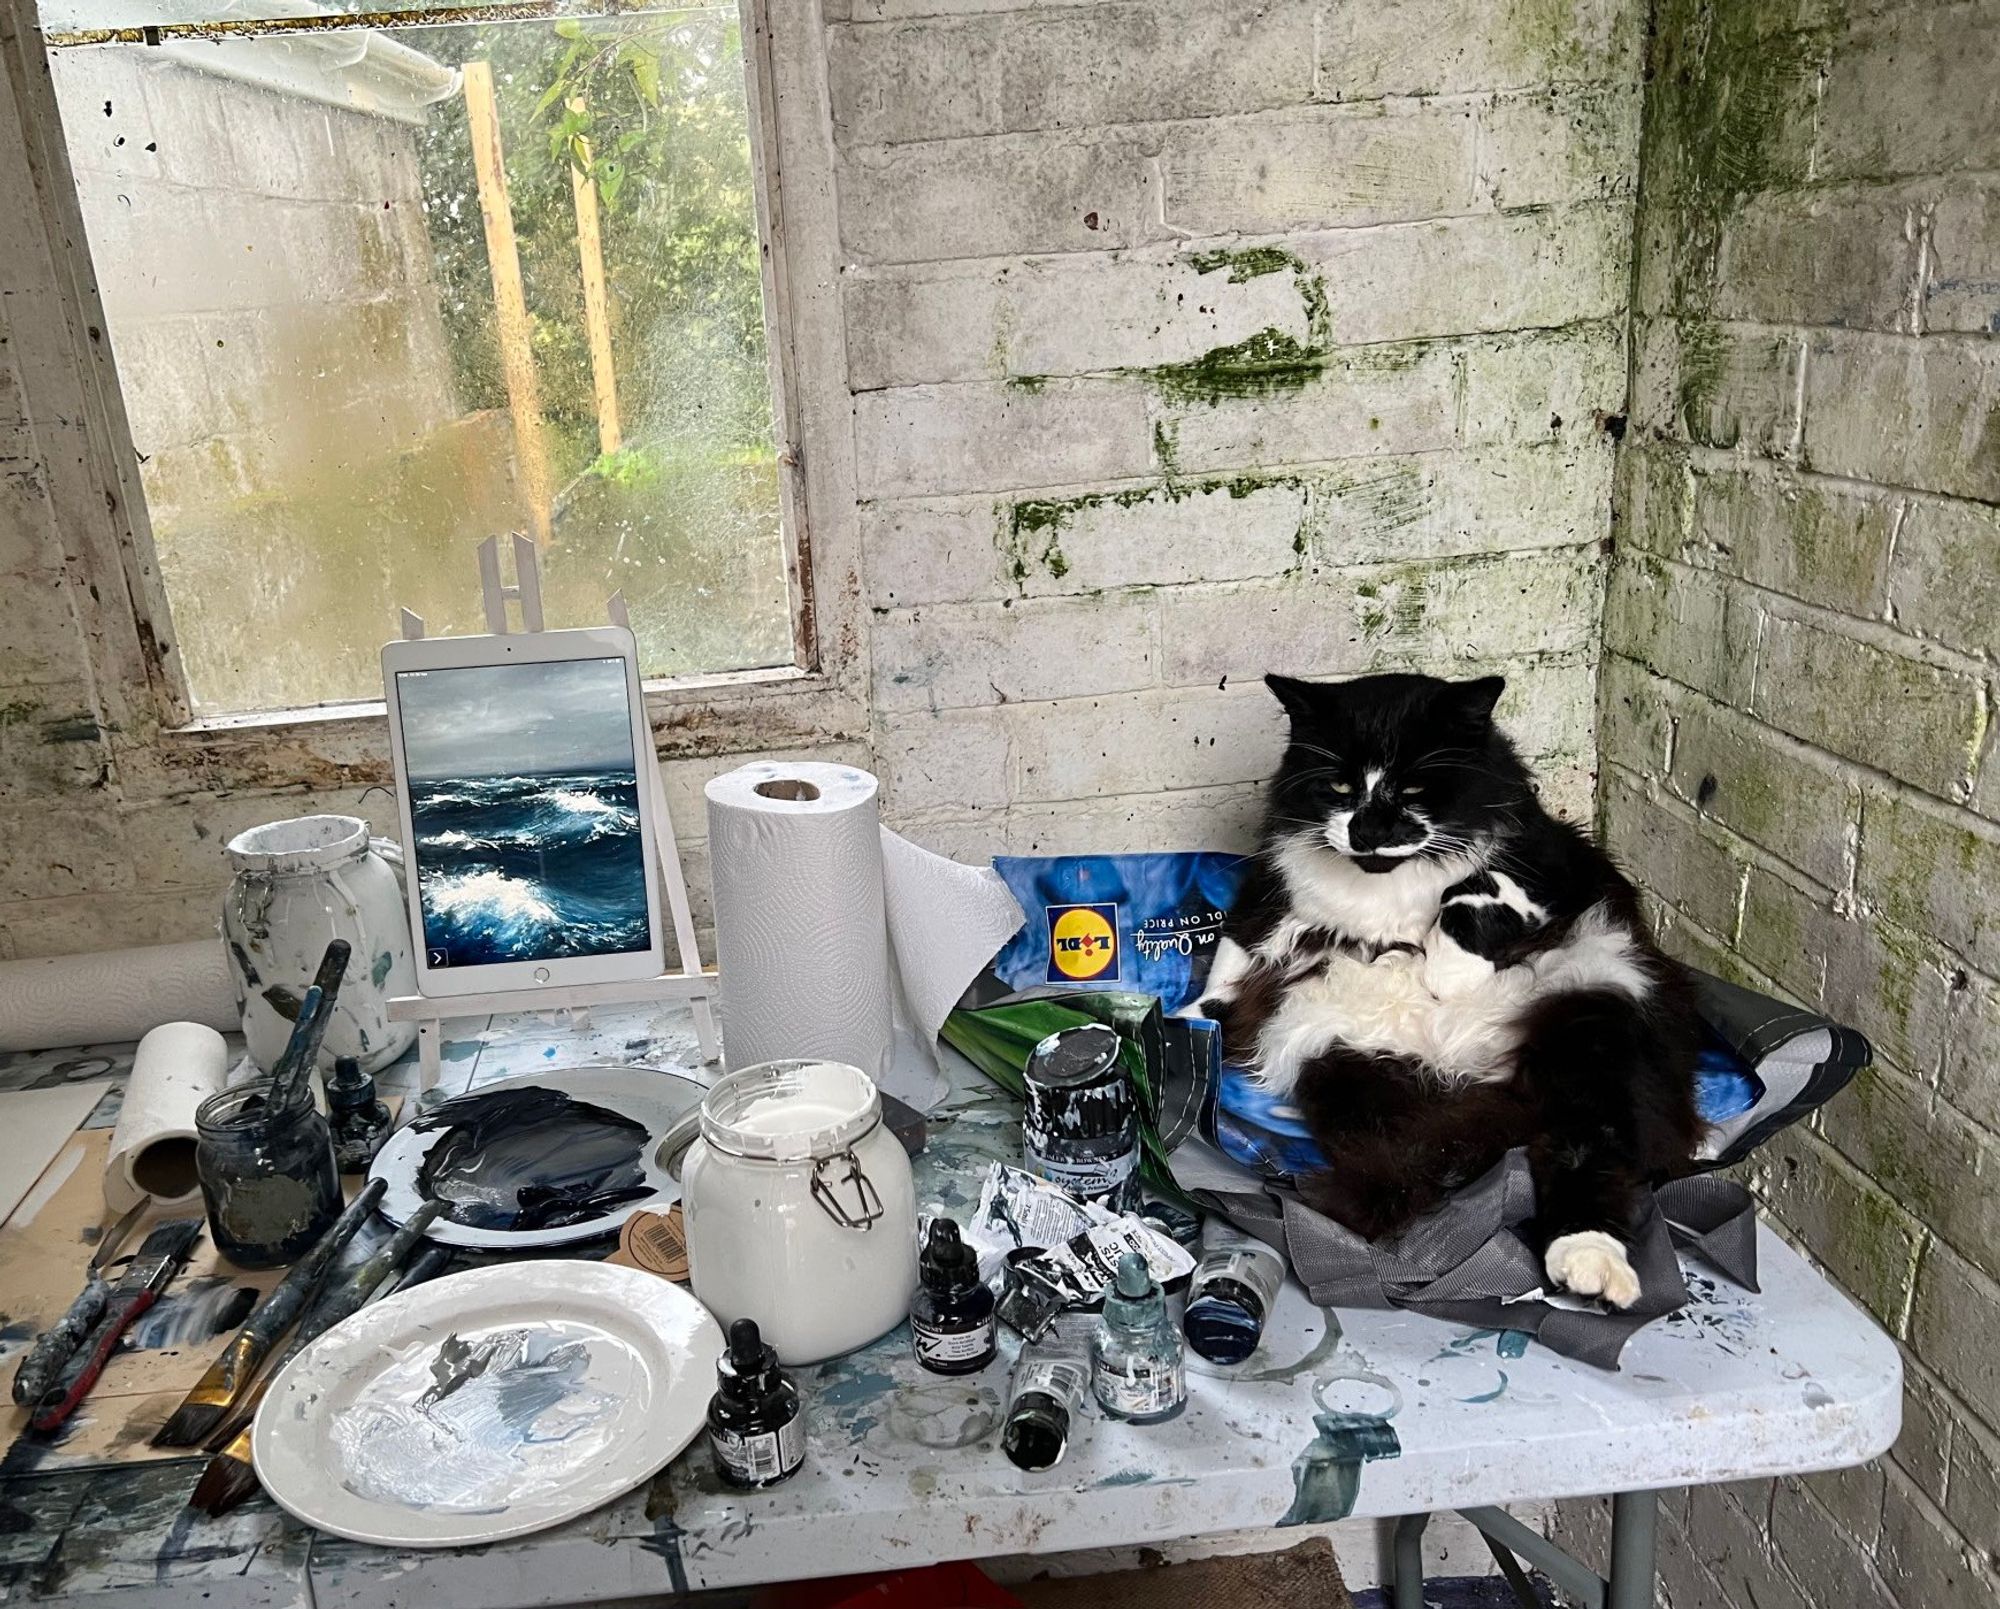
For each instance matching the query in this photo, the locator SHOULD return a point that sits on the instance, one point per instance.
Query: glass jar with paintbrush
(264, 1153)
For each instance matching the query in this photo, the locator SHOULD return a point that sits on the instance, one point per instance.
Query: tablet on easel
(526, 813)
(495, 888)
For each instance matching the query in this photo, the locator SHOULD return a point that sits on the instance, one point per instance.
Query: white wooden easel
(692, 983)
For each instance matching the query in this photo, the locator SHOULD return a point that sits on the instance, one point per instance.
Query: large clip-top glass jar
(799, 1209)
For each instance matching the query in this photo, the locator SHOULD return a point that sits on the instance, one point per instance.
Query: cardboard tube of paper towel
(177, 1067)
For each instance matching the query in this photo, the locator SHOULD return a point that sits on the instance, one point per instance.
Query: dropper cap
(947, 1263)
(348, 1086)
(1133, 1279)
(748, 1358)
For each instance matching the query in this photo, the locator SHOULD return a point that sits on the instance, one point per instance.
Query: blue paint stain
(1126, 1477)
(859, 1427)
(460, 1049)
(857, 1388)
(1494, 1395)
(1513, 1343)
(378, 974)
(1326, 1476)
(550, 1053)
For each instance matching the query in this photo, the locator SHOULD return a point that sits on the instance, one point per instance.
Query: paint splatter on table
(1368, 1413)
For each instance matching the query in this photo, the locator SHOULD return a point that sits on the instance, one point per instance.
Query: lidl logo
(1083, 943)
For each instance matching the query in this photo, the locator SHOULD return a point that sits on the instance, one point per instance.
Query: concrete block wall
(1797, 698)
(1192, 339)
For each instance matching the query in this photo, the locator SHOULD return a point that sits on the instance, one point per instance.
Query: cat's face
(1385, 769)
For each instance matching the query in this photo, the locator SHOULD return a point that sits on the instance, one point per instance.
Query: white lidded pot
(799, 1209)
(300, 884)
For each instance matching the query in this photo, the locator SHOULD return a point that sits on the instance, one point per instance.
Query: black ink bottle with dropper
(951, 1316)
(359, 1120)
(755, 1427)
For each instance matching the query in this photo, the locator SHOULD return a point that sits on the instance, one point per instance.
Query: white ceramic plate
(488, 1405)
(648, 1096)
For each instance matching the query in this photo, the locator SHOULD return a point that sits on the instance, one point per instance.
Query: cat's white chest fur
(1437, 1004)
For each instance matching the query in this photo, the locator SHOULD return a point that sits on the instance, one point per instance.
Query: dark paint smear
(1326, 1477)
(531, 1159)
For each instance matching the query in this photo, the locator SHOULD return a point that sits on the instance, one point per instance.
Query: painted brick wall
(1193, 339)
(1186, 339)
(1797, 697)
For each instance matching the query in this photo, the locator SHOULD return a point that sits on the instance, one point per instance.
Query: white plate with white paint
(488, 1405)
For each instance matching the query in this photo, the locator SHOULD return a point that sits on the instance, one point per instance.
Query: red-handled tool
(163, 1255)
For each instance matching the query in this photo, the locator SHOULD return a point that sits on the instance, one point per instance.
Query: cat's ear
(1471, 703)
(1301, 699)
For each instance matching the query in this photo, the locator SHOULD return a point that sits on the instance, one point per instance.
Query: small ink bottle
(755, 1424)
(1137, 1369)
(951, 1316)
(359, 1121)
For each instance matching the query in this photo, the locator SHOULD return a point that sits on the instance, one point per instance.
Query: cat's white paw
(1451, 970)
(1592, 1263)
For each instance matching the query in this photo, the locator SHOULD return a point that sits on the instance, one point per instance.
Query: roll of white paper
(177, 1067)
(114, 995)
(835, 939)
(801, 940)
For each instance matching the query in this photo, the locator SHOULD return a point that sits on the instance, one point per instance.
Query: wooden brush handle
(119, 1317)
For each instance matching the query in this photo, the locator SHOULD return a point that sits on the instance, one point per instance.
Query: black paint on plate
(531, 1158)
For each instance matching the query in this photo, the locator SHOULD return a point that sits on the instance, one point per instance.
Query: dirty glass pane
(337, 387)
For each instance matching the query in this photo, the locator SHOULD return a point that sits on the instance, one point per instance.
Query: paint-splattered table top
(1369, 1413)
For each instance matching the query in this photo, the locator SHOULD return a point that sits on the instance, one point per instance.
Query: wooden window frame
(74, 404)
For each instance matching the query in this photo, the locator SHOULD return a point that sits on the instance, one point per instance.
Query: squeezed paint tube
(1230, 1297)
(1084, 1241)
(1044, 1390)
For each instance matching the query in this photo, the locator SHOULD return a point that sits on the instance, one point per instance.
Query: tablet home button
(541, 974)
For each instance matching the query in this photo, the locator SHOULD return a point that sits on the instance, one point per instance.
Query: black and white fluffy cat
(1435, 970)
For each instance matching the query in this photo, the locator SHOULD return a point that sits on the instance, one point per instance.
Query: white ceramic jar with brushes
(300, 884)
(799, 1209)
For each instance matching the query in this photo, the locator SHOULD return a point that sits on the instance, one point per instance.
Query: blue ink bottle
(1080, 1117)
(1137, 1369)
(951, 1316)
(756, 1427)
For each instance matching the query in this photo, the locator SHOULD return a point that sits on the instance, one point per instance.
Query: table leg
(1635, 1519)
(429, 1061)
(1407, 1568)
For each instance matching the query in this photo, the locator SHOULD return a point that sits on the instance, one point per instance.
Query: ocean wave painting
(524, 808)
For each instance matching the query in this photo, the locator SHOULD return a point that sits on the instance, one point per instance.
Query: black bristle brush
(231, 1476)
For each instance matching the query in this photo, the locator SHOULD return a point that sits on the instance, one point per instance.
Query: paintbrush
(301, 1051)
(230, 1374)
(334, 1305)
(231, 1475)
(60, 1340)
(163, 1254)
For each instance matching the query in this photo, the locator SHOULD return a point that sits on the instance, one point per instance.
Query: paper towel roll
(801, 937)
(114, 995)
(834, 937)
(177, 1066)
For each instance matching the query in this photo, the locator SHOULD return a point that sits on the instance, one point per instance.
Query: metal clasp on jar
(866, 1197)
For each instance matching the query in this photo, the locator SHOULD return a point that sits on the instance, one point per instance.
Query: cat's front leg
(1481, 924)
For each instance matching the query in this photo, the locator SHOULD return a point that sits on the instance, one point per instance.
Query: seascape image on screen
(524, 807)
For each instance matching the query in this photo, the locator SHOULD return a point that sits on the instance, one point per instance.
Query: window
(375, 293)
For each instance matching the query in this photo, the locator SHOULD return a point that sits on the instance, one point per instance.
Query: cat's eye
(1409, 790)
(1341, 790)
